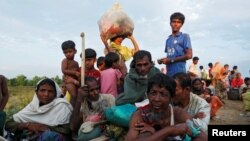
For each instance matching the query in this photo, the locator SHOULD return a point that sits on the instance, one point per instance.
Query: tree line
(22, 80)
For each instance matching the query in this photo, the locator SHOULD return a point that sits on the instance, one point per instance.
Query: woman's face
(159, 98)
(45, 94)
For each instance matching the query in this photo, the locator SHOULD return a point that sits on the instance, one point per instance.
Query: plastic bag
(120, 115)
(115, 22)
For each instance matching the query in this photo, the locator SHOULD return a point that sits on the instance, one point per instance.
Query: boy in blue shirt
(178, 47)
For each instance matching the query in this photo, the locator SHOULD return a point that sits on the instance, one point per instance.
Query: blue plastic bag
(120, 115)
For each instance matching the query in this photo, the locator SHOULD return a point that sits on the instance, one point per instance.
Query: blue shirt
(176, 45)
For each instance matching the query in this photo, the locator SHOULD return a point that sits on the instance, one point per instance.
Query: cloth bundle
(120, 115)
(115, 22)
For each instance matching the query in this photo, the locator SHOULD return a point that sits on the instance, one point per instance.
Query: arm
(77, 116)
(188, 55)
(5, 92)
(136, 47)
(203, 122)
(105, 42)
(14, 126)
(66, 71)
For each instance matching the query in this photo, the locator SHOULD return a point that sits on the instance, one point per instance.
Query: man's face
(93, 89)
(179, 93)
(143, 65)
(176, 25)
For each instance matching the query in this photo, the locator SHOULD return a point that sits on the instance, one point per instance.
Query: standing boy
(70, 69)
(178, 47)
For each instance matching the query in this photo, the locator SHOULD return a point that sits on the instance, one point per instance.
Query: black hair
(162, 80)
(89, 53)
(201, 67)
(68, 45)
(196, 79)
(209, 91)
(177, 15)
(139, 55)
(111, 58)
(246, 79)
(90, 79)
(226, 65)
(46, 81)
(208, 82)
(183, 78)
(195, 58)
(100, 61)
(210, 64)
(235, 67)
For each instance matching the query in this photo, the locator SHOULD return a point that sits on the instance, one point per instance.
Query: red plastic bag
(115, 22)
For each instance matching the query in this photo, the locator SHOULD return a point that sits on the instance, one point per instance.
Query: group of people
(172, 112)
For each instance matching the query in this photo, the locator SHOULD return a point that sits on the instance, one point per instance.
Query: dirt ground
(231, 113)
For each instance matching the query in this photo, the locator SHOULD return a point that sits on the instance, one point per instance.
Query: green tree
(57, 80)
(21, 80)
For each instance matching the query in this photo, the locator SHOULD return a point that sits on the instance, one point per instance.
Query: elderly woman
(159, 121)
(46, 117)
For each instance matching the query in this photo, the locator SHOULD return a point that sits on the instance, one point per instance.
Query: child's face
(101, 67)
(116, 65)
(89, 63)
(176, 25)
(69, 53)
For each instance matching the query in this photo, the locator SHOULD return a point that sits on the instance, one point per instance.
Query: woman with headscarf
(46, 117)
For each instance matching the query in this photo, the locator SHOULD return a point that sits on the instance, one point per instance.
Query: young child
(90, 59)
(70, 69)
(111, 75)
(101, 63)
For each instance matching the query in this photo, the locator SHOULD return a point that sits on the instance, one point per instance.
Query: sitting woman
(46, 117)
(159, 121)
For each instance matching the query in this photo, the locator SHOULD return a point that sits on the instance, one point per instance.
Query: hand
(199, 115)
(180, 129)
(82, 92)
(144, 127)
(163, 61)
(36, 127)
(103, 37)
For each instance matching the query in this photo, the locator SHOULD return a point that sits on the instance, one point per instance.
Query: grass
(20, 96)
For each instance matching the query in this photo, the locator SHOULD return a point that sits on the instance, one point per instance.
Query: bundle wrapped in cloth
(115, 22)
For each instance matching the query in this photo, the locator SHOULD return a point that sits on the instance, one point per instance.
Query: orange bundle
(115, 22)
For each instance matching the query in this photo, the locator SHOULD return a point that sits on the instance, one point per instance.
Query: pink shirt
(109, 79)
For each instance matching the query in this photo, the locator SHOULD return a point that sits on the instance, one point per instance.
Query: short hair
(111, 58)
(226, 65)
(162, 80)
(235, 67)
(89, 53)
(90, 79)
(177, 15)
(139, 55)
(210, 64)
(183, 78)
(201, 67)
(195, 58)
(246, 79)
(68, 45)
(100, 61)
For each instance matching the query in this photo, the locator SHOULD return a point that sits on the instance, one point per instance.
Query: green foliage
(21, 80)
(20, 96)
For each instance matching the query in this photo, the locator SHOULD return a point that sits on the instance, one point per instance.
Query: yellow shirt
(125, 52)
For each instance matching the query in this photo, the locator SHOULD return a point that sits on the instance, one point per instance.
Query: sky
(32, 31)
